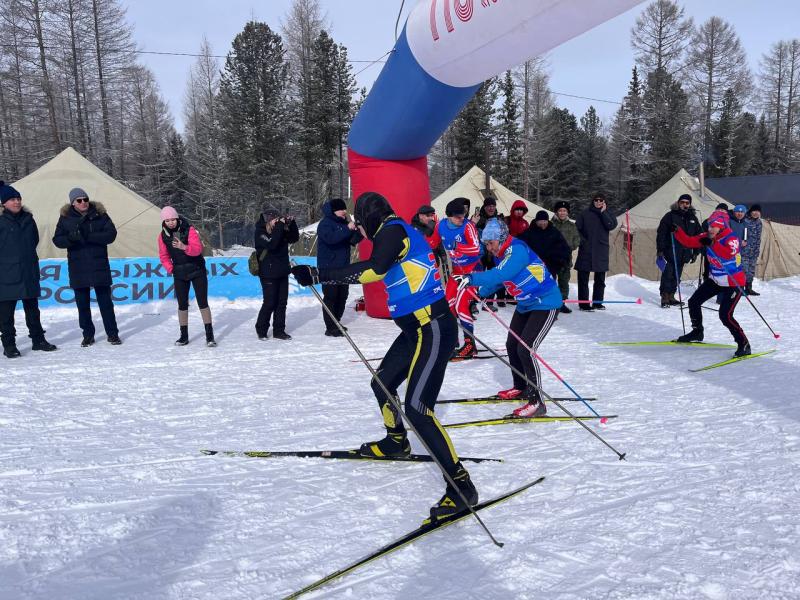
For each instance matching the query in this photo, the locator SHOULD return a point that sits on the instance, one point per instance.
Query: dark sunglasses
(598, 200)
(81, 200)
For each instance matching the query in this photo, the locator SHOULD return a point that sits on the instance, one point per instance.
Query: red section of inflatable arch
(404, 183)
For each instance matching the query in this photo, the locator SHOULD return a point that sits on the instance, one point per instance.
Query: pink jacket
(194, 247)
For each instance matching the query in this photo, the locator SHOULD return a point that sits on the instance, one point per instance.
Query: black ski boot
(394, 444)
(695, 335)
(451, 503)
(184, 339)
(43, 345)
(210, 342)
(11, 351)
(742, 349)
(88, 340)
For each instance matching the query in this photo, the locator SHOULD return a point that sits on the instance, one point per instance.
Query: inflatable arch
(446, 50)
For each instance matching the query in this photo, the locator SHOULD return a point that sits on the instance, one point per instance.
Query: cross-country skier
(402, 258)
(528, 281)
(726, 278)
(460, 238)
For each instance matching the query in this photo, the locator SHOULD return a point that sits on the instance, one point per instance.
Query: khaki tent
(45, 192)
(471, 186)
(779, 243)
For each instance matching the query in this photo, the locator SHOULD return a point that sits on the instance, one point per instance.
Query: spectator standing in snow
(561, 221)
(19, 272)
(181, 253)
(593, 224)
(272, 238)
(752, 250)
(336, 235)
(683, 215)
(86, 230)
(516, 221)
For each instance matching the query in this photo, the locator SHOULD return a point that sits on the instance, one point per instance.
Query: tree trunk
(26, 158)
(46, 83)
(103, 99)
(81, 128)
(526, 124)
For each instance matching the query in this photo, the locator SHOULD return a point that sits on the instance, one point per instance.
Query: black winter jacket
(594, 227)
(549, 245)
(19, 263)
(87, 256)
(686, 220)
(184, 267)
(334, 240)
(275, 264)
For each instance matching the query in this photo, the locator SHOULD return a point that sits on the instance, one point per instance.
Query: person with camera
(86, 230)
(336, 235)
(272, 238)
(594, 225)
(181, 253)
(19, 272)
(402, 259)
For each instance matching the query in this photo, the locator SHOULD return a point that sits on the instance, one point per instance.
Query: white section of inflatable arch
(464, 42)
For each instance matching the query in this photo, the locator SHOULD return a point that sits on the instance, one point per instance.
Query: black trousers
(532, 327)
(32, 319)
(420, 356)
(335, 298)
(106, 305)
(669, 281)
(598, 288)
(200, 285)
(729, 298)
(276, 294)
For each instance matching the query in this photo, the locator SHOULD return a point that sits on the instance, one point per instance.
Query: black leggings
(532, 327)
(420, 354)
(200, 285)
(728, 297)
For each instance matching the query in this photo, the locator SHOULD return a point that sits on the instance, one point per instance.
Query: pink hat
(168, 212)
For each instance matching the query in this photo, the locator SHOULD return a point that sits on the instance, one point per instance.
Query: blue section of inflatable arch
(406, 111)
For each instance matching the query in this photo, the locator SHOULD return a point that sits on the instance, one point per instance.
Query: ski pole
(742, 292)
(545, 394)
(678, 280)
(637, 301)
(395, 402)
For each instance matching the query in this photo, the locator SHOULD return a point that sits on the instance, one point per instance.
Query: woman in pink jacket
(181, 253)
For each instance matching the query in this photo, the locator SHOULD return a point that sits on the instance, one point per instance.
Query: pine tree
(626, 160)
(723, 138)
(560, 133)
(763, 156)
(509, 138)
(591, 153)
(744, 140)
(473, 128)
(660, 37)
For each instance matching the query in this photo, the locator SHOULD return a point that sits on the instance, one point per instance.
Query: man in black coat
(684, 216)
(594, 225)
(86, 230)
(19, 272)
(272, 238)
(336, 235)
(547, 242)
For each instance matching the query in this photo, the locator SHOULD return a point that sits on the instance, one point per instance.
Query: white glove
(463, 281)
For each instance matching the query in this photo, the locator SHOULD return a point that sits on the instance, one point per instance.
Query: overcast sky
(596, 64)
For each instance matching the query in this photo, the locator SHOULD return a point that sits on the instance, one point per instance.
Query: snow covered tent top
(45, 191)
(471, 186)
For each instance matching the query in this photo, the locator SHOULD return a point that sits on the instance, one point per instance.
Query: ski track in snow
(104, 495)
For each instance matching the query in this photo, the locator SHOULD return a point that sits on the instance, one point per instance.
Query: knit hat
(8, 193)
(426, 209)
(755, 207)
(719, 219)
(493, 231)
(541, 216)
(76, 193)
(337, 204)
(489, 201)
(456, 207)
(168, 212)
(561, 204)
(686, 197)
(269, 214)
(740, 208)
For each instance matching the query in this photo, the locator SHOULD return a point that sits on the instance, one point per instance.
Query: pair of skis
(715, 365)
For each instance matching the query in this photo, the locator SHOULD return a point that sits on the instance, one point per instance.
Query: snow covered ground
(104, 494)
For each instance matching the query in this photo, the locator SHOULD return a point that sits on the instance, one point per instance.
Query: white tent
(45, 192)
(471, 186)
(779, 243)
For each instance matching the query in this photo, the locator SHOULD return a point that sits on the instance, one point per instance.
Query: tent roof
(46, 190)
(648, 213)
(471, 185)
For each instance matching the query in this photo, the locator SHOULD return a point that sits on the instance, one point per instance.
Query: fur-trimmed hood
(98, 206)
(691, 209)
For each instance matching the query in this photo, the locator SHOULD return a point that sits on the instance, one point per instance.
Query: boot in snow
(394, 444)
(534, 408)
(466, 351)
(210, 342)
(184, 339)
(509, 394)
(11, 351)
(43, 345)
(451, 503)
(695, 335)
(665, 300)
(742, 349)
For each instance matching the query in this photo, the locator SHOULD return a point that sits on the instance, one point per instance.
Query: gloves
(75, 236)
(305, 275)
(463, 282)
(706, 241)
